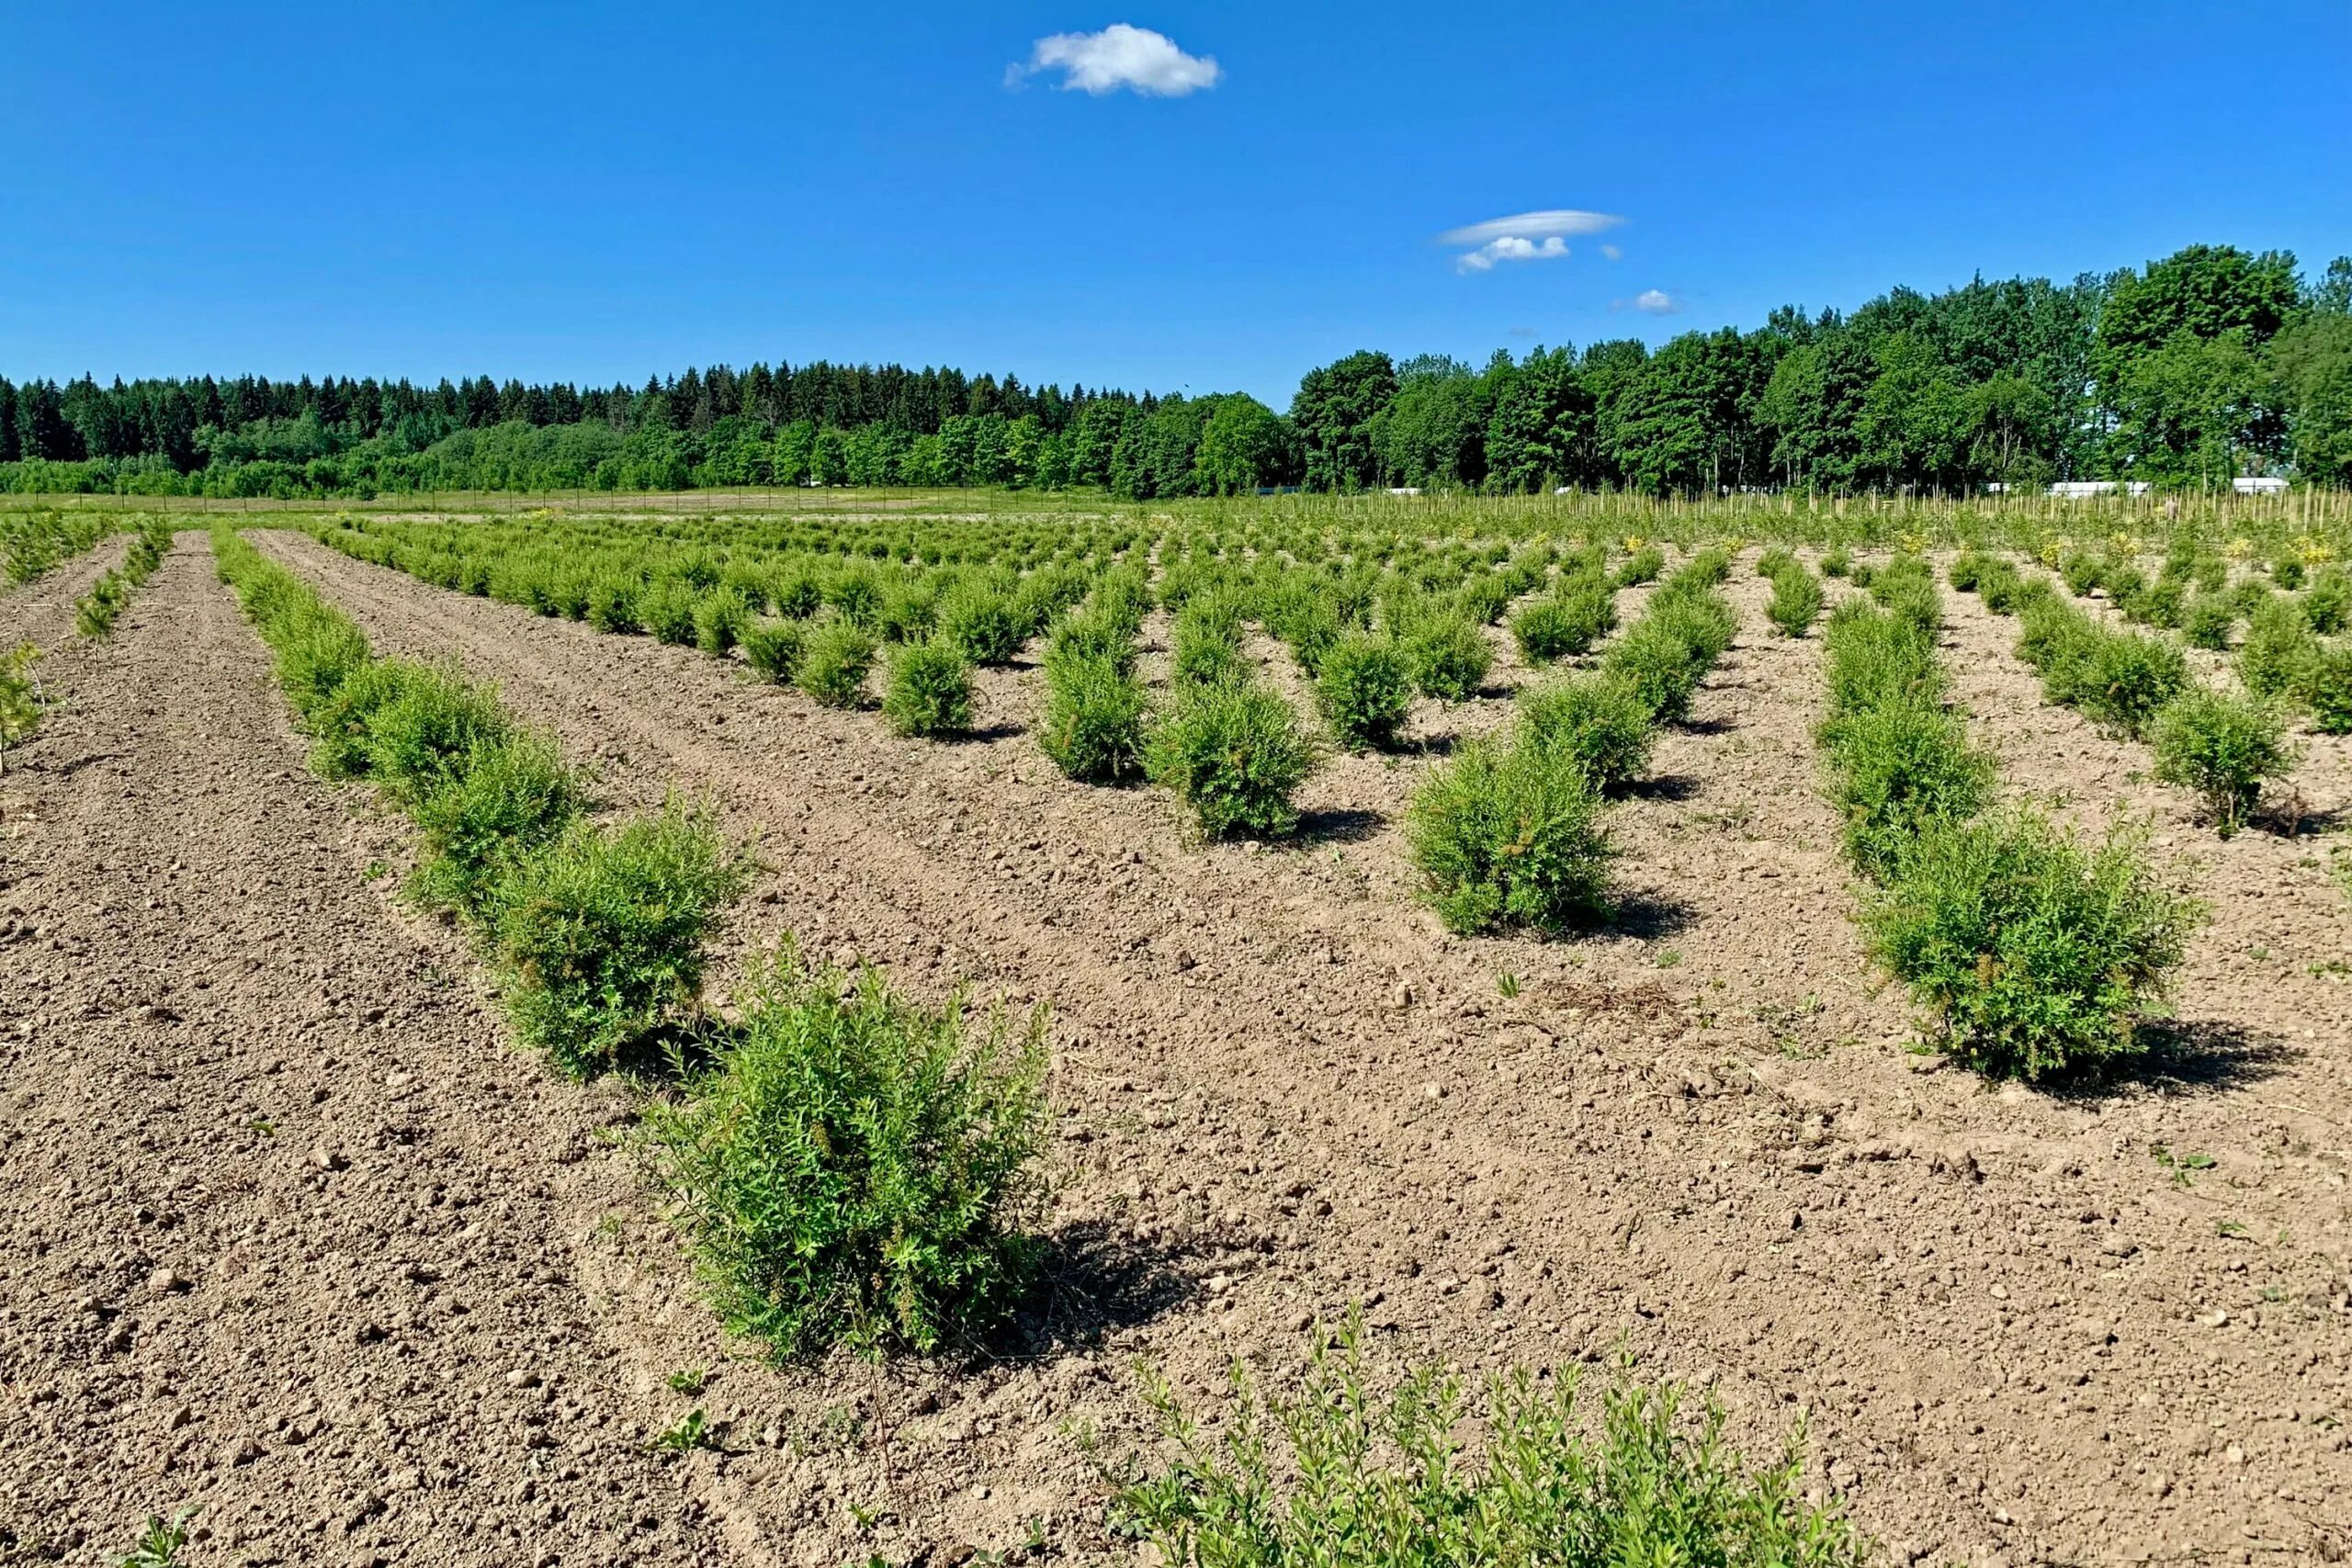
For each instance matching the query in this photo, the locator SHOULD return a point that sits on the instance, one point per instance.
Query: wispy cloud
(1611, 251)
(1119, 56)
(1523, 236)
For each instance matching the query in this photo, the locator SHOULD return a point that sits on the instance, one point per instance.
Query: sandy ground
(2016, 1334)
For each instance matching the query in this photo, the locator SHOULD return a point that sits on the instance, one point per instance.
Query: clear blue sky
(595, 191)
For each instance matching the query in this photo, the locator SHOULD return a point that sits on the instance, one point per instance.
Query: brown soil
(41, 611)
(1282, 1090)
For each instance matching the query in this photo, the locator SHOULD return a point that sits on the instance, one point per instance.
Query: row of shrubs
(847, 1167)
(33, 543)
(96, 611)
(2220, 744)
(1507, 832)
(2031, 954)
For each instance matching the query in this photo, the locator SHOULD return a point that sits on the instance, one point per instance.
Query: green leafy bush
(1093, 723)
(2325, 687)
(612, 605)
(1839, 563)
(1448, 656)
(1642, 566)
(340, 717)
(1342, 1478)
(1900, 765)
(835, 659)
(1669, 652)
(1597, 722)
(1509, 835)
(1206, 641)
(426, 734)
(599, 935)
(2224, 747)
(2207, 622)
(1966, 573)
(1091, 635)
(1796, 599)
(22, 701)
(2082, 572)
(1232, 752)
(1365, 690)
(669, 611)
(1570, 619)
(2278, 647)
(854, 1168)
(929, 691)
(2029, 954)
(2327, 603)
(510, 797)
(1875, 657)
(772, 650)
(719, 620)
(985, 624)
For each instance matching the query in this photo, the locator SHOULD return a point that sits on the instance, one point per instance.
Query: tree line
(2212, 362)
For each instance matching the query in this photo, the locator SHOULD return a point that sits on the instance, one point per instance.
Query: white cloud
(1523, 236)
(1656, 302)
(1611, 251)
(1119, 56)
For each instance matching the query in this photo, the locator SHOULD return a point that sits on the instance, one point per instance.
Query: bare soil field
(295, 1235)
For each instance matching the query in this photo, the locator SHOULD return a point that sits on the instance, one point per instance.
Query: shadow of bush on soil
(2184, 1056)
(1647, 915)
(1094, 1280)
(1663, 786)
(1339, 825)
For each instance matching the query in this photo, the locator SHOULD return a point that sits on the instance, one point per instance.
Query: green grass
(1345, 1476)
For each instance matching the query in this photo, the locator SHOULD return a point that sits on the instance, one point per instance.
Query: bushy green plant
(2130, 677)
(612, 605)
(2325, 687)
(1509, 835)
(719, 620)
(1796, 599)
(772, 650)
(985, 624)
(1365, 690)
(2279, 646)
(1093, 723)
(797, 594)
(1448, 656)
(339, 718)
(1669, 652)
(509, 798)
(854, 1168)
(2327, 603)
(929, 691)
(22, 701)
(1232, 752)
(1876, 658)
(600, 934)
(1206, 641)
(2029, 954)
(909, 612)
(1599, 722)
(1642, 566)
(1091, 635)
(1899, 765)
(2207, 621)
(669, 611)
(2287, 569)
(2082, 572)
(1839, 563)
(2001, 586)
(1342, 1478)
(1966, 572)
(426, 734)
(1570, 619)
(2224, 747)
(835, 659)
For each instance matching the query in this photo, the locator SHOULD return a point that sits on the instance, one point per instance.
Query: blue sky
(593, 192)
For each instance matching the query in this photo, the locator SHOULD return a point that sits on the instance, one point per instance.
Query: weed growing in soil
(930, 688)
(159, 1544)
(834, 663)
(601, 934)
(854, 1168)
(1509, 835)
(1346, 1478)
(1232, 752)
(1364, 690)
(2224, 747)
(2032, 955)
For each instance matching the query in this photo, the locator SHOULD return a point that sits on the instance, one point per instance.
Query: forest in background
(2210, 363)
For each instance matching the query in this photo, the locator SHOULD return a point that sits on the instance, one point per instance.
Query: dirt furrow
(288, 1236)
(41, 611)
(1702, 1137)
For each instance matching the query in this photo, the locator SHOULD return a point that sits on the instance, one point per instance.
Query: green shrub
(1642, 566)
(1966, 572)
(854, 1168)
(1898, 766)
(1205, 642)
(835, 659)
(1093, 723)
(1839, 563)
(2287, 570)
(426, 734)
(797, 594)
(2325, 687)
(599, 935)
(1875, 657)
(1509, 835)
(2207, 621)
(929, 691)
(340, 718)
(1669, 652)
(2222, 747)
(2158, 604)
(612, 605)
(510, 797)
(2327, 603)
(909, 612)
(2082, 572)
(772, 650)
(2131, 676)
(1482, 599)
(2029, 954)
(1091, 635)
(669, 610)
(2278, 647)
(719, 620)
(1597, 722)
(1797, 600)
(1365, 690)
(1232, 752)
(985, 624)
(1570, 619)
(2001, 586)
(855, 594)
(1340, 1478)
(22, 701)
